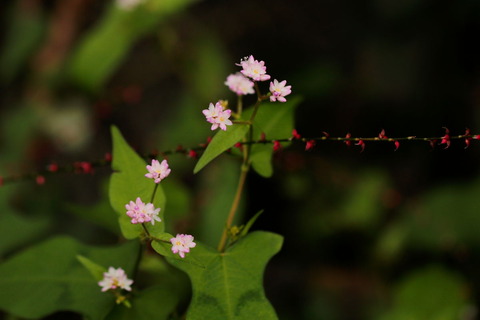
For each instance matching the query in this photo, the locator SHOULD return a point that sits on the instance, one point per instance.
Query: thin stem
(154, 191)
(234, 207)
(151, 201)
(146, 230)
(241, 183)
(73, 167)
(239, 105)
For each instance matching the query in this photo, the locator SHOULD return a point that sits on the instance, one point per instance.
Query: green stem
(244, 169)
(151, 201)
(239, 105)
(233, 208)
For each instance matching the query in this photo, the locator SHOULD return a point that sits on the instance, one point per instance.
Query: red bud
(295, 134)
(309, 145)
(276, 146)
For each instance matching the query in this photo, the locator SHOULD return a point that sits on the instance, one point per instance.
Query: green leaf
(155, 302)
(432, 293)
(127, 183)
(250, 223)
(165, 249)
(17, 230)
(95, 269)
(100, 213)
(217, 187)
(231, 284)
(276, 120)
(48, 278)
(24, 33)
(220, 143)
(261, 160)
(107, 44)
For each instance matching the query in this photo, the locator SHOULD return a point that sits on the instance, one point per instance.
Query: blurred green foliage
(359, 228)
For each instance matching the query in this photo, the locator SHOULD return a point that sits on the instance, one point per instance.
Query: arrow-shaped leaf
(231, 284)
(129, 182)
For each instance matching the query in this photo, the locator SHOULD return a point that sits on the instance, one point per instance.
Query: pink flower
(239, 84)
(217, 116)
(141, 212)
(212, 112)
(115, 278)
(222, 120)
(254, 69)
(279, 90)
(182, 243)
(158, 171)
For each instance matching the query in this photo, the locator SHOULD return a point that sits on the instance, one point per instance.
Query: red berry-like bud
(40, 180)
(382, 135)
(86, 167)
(397, 145)
(263, 137)
(192, 154)
(276, 146)
(52, 167)
(238, 145)
(348, 142)
(361, 144)
(295, 134)
(108, 157)
(446, 139)
(309, 145)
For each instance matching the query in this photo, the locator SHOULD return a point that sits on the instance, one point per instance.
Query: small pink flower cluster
(239, 84)
(115, 278)
(279, 90)
(243, 83)
(182, 243)
(141, 212)
(257, 71)
(158, 171)
(218, 116)
(254, 69)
